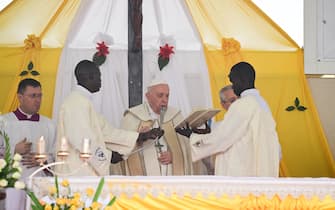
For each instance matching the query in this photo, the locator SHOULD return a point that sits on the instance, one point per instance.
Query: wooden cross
(135, 56)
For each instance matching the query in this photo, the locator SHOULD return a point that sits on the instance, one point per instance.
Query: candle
(63, 145)
(86, 145)
(41, 145)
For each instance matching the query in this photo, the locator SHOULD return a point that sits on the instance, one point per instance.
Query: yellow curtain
(30, 55)
(9, 78)
(230, 54)
(278, 62)
(19, 46)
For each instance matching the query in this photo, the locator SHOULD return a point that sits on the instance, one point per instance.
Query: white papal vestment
(145, 162)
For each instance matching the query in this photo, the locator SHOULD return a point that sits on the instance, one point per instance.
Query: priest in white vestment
(24, 128)
(246, 141)
(170, 155)
(78, 120)
(227, 97)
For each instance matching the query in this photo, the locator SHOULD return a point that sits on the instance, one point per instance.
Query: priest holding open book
(246, 141)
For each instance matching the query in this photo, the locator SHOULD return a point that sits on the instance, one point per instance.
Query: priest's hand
(165, 158)
(23, 147)
(185, 131)
(152, 134)
(205, 130)
(29, 160)
(116, 157)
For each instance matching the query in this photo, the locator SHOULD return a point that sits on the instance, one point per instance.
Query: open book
(198, 117)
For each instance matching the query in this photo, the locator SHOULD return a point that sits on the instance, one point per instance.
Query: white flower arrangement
(10, 170)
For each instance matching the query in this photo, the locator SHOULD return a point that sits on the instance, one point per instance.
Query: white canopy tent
(95, 21)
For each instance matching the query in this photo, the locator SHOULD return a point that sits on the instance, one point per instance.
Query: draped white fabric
(163, 22)
(192, 185)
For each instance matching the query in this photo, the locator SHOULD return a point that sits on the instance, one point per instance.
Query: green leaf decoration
(296, 102)
(296, 106)
(23, 73)
(99, 60)
(30, 70)
(99, 189)
(290, 108)
(7, 146)
(57, 186)
(111, 202)
(37, 205)
(33, 207)
(162, 62)
(30, 65)
(301, 108)
(34, 73)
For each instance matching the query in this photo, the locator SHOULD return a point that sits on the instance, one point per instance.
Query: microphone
(162, 114)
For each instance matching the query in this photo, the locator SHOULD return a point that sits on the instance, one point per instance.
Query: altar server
(246, 141)
(78, 121)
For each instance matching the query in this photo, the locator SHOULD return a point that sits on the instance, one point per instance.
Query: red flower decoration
(164, 55)
(100, 56)
(102, 49)
(166, 51)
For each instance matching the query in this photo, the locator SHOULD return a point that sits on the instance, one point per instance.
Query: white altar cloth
(192, 185)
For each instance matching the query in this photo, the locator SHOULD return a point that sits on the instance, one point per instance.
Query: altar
(198, 192)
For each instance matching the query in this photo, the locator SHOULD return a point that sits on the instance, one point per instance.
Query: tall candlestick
(63, 145)
(41, 145)
(86, 145)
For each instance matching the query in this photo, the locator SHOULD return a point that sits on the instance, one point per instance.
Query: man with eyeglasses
(227, 96)
(25, 126)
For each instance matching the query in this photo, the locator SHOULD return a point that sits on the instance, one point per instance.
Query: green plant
(70, 201)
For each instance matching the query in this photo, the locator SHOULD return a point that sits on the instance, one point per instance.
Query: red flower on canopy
(102, 49)
(166, 51)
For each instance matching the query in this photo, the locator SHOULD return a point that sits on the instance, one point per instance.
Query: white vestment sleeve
(77, 123)
(226, 133)
(120, 140)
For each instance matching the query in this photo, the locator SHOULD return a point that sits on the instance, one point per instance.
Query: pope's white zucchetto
(157, 82)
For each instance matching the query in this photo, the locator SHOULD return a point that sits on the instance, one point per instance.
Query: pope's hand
(165, 158)
(152, 134)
